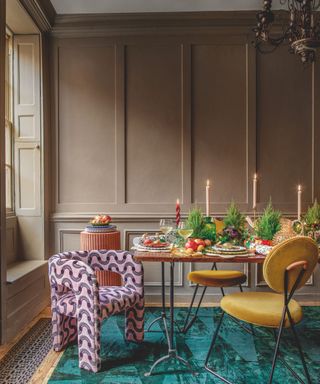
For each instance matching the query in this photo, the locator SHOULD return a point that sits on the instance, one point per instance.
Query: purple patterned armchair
(79, 305)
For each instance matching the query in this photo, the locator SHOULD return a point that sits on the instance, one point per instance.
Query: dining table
(173, 258)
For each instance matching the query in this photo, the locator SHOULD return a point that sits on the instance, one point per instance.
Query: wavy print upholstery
(79, 305)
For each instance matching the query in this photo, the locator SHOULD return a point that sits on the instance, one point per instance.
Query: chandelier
(302, 32)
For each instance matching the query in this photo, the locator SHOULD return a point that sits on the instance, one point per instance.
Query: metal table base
(172, 352)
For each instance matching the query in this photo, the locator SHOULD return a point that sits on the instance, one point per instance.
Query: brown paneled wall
(139, 120)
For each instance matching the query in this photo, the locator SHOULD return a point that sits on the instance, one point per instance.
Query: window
(8, 125)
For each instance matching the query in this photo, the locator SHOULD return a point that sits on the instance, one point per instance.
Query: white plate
(222, 249)
(263, 249)
(227, 256)
(137, 243)
(139, 249)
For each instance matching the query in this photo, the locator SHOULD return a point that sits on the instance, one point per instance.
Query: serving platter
(100, 228)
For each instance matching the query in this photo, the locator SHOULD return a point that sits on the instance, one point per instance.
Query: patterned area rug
(22, 360)
(241, 357)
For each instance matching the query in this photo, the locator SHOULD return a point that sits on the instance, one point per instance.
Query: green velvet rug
(239, 356)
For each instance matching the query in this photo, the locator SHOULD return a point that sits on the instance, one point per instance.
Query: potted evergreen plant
(268, 225)
(234, 231)
(312, 222)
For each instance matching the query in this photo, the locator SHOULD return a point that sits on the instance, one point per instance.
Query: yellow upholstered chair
(286, 269)
(211, 278)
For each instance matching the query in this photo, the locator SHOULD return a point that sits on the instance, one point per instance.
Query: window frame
(9, 144)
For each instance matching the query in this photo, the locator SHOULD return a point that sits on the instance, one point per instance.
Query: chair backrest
(290, 251)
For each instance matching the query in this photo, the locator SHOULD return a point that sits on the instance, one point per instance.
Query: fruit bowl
(101, 220)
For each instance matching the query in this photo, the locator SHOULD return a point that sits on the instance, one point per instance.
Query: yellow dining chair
(286, 269)
(212, 278)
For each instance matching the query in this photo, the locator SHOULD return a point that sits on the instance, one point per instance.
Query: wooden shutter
(26, 123)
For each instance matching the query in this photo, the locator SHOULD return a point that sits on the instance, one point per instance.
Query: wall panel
(284, 129)
(86, 139)
(219, 121)
(153, 123)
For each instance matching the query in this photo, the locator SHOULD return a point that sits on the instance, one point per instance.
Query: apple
(200, 248)
(199, 242)
(207, 242)
(191, 244)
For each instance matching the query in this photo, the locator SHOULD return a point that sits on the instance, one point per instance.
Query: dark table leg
(163, 296)
(172, 352)
(163, 316)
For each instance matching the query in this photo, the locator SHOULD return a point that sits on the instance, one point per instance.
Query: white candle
(299, 201)
(254, 192)
(208, 198)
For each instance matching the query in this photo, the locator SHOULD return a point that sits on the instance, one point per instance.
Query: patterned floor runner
(20, 363)
(241, 357)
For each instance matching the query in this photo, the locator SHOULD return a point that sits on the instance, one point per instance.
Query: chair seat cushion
(260, 308)
(217, 278)
(113, 300)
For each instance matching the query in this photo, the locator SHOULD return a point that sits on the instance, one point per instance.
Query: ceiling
(130, 6)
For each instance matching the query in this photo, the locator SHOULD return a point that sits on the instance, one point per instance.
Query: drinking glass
(184, 231)
(166, 226)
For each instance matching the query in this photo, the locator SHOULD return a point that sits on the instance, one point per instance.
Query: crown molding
(79, 25)
(41, 12)
(143, 217)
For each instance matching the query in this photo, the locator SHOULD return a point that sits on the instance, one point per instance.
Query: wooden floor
(48, 365)
(44, 371)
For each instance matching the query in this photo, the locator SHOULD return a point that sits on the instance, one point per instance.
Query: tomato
(266, 242)
(147, 242)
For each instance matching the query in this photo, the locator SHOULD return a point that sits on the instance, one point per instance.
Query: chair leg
(299, 347)
(64, 330)
(184, 329)
(210, 350)
(89, 342)
(282, 360)
(135, 322)
(187, 324)
(276, 351)
(215, 335)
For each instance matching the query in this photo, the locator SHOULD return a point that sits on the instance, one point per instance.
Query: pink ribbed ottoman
(107, 240)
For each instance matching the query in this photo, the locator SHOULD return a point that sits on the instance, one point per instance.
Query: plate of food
(152, 243)
(228, 247)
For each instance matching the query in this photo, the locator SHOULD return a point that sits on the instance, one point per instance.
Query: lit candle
(254, 198)
(177, 212)
(208, 198)
(299, 201)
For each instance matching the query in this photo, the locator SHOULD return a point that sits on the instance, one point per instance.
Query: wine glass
(184, 231)
(166, 226)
